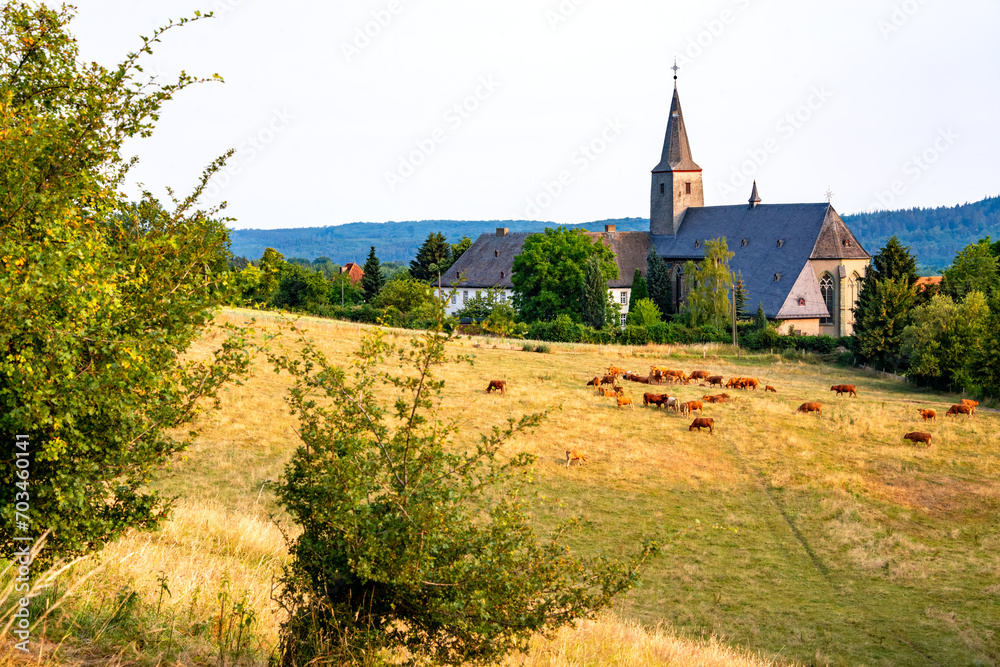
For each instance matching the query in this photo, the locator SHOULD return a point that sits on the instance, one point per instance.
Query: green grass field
(819, 539)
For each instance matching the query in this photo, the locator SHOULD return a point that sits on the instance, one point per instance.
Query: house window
(624, 298)
(802, 302)
(744, 243)
(496, 253)
(465, 296)
(454, 298)
(501, 274)
(623, 320)
(687, 188)
(781, 242)
(662, 188)
(826, 289)
(697, 244)
(777, 277)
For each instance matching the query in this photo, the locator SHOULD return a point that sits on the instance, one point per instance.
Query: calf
(961, 410)
(771, 389)
(845, 389)
(626, 400)
(810, 407)
(575, 455)
(715, 380)
(596, 382)
(918, 436)
(497, 385)
(928, 414)
(703, 422)
(654, 399)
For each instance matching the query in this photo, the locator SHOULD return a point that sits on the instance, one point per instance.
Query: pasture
(814, 538)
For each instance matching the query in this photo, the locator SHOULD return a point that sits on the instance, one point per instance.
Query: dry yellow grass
(862, 493)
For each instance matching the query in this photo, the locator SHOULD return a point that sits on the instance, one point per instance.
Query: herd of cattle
(609, 385)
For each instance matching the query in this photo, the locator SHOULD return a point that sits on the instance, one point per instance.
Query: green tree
(412, 539)
(708, 284)
(301, 289)
(345, 291)
(760, 319)
(100, 297)
(272, 265)
(548, 275)
(974, 269)
(874, 343)
(879, 325)
(945, 340)
(457, 250)
(741, 296)
(435, 251)
(372, 281)
(639, 288)
(659, 284)
(643, 313)
(406, 295)
(987, 366)
(595, 295)
(483, 304)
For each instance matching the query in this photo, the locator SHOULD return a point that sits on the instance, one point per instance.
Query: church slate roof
(489, 261)
(676, 148)
(772, 271)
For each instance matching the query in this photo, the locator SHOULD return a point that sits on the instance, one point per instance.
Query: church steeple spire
(677, 183)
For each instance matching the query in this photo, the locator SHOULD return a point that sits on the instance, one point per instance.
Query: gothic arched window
(826, 289)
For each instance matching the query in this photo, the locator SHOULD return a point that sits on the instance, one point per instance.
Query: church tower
(677, 181)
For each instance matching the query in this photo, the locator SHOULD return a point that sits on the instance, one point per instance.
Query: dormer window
(744, 243)
(501, 274)
(777, 277)
(697, 244)
(847, 243)
(781, 242)
(496, 253)
(802, 302)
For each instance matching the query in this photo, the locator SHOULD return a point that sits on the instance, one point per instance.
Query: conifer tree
(882, 310)
(435, 251)
(658, 283)
(595, 295)
(373, 281)
(741, 295)
(639, 287)
(760, 320)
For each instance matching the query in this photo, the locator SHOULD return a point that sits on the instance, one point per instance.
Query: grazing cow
(698, 375)
(928, 414)
(733, 383)
(970, 402)
(918, 436)
(703, 422)
(715, 380)
(750, 382)
(596, 382)
(654, 399)
(715, 399)
(961, 410)
(614, 370)
(844, 389)
(810, 407)
(768, 388)
(575, 455)
(497, 385)
(609, 379)
(626, 400)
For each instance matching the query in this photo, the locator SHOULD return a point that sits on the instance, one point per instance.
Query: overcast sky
(379, 110)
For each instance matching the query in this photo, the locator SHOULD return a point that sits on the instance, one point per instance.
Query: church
(800, 261)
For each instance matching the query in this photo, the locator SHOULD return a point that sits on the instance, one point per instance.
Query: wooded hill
(933, 234)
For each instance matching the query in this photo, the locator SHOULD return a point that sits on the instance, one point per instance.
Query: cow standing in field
(845, 389)
(806, 408)
(497, 385)
(770, 388)
(715, 380)
(698, 375)
(928, 414)
(609, 379)
(703, 422)
(654, 399)
(961, 410)
(575, 455)
(596, 382)
(918, 436)
(626, 400)
(971, 403)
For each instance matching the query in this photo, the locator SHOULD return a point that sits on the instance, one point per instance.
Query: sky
(555, 110)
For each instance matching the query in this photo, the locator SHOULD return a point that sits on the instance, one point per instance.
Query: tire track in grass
(820, 567)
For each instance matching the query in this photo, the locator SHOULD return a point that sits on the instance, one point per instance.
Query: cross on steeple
(675, 68)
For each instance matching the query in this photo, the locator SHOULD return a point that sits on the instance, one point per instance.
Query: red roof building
(353, 272)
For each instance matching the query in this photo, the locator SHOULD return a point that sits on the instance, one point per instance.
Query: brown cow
(733, 383)
(596, 382)
(715, 380)
(698, 375)
(575, 455)
(918, 436)
(693, 405)
(715, 399)
(607, 391)
(970, 402)
(961, 410)
(626, 400)
(703, 422)
(810, 407)
(844, 389)
(771, 389)
(750, 382)
(498, 385)
(614, 370)
(928, 414)
(654, 399)
(609, 379)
